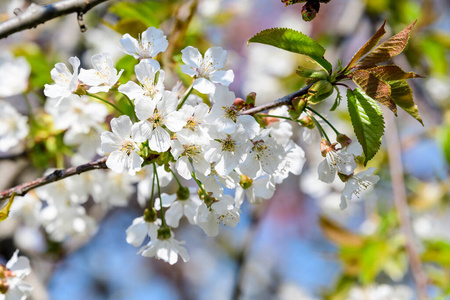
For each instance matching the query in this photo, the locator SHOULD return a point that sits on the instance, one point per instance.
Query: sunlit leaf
(293, 41)
(372, 42)
(403, 97)
(374, 88)
(367, 120)
(4, 212)
(387, 50)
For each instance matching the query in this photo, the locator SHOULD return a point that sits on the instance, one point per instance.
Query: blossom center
(231, 113)
(156, 120)
(228, 144)
(192, 151)
(127, 147)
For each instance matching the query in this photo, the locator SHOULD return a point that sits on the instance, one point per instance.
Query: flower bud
(183, 193)
(307, 122)
(319, 91)
(239, 103)
(250, 100)
(293, 114)
(324, 147)
(299, 104)
(150, 215)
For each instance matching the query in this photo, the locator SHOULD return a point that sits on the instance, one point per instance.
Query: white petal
(216, 56)
(174, 214)
(191, 57)
(121, 126)
(159, 140)
(222, 77)
(204, 86)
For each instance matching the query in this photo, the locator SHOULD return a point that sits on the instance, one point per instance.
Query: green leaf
(367, 120)
(4, 212)
(387, 50)
(403, 97)
(372, 42)
(293, 41)
(374, 88)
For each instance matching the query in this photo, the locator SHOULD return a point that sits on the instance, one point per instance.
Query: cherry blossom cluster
(217, 155)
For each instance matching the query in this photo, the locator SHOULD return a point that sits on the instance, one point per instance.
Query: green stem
(132, 107)
(319, 127)
(185, 96)
(199, 185)
(105, 101)
(176, 178)
(153, 190)
(163, 223)
(323, 118)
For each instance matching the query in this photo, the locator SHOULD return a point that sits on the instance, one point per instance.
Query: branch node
(17, 11)
(81, 23)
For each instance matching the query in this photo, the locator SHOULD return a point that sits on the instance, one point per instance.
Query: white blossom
(226, 116)
(13, 127)
(356, 184)
(335, 161)
(208, 218)
(155, 116)
(255, 190)
(206, 71)
(66, 83)
(227, 150)
(196, 128)
(293, 162)
(141, 229)
(61, 222)
(151, 42)
(122, 146)
(11, 278)
(166, 249)
(146, 72)
(103, 76)
(180, 207)
(189, 156)
(14, 74)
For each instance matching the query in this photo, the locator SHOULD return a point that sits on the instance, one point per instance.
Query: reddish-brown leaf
(386, 50)
(389, 73)
(374, 88)
(372, 42)
(403, 97)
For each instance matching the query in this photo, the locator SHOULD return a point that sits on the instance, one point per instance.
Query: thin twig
(24, 188)
(35, 14)
(286, 100)
(401, 205)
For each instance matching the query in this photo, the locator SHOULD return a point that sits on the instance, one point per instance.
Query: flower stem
(105, 101)
(199, 185)
(176, 178)
(153, 190)
(319, 127)
(185, 96)
(163, 223)
(132, 107)
(323, 118)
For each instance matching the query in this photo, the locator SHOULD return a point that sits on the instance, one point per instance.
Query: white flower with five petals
(151, 42)
(103, 76)
(66, 83)
(206, 71)
(356, 184)
(166, 249)
(12, 286)
(122, 145)
(146, 72)
(156, 117)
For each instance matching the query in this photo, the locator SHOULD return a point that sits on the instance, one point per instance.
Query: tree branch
(401, 205)
(286, 100)
(37, 14)
(24, 188)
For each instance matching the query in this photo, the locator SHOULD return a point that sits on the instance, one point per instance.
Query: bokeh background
(299, 244)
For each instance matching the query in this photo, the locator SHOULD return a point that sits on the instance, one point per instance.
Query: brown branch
(24, 188)
(401, 205)
(286, 100)
(37, 14)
